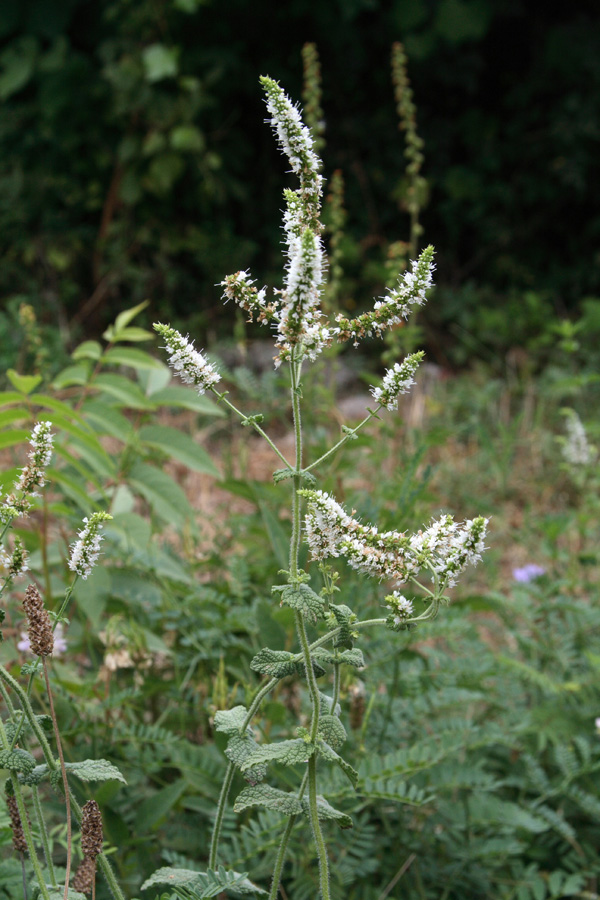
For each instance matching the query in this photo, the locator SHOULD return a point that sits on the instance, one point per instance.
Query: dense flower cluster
(86, 549)
(186, 361)
(400, 608)
(576, 448)
(444, 549)
(34, 475)
(240, 288)
(397, 380)
(390, 310)
(39, 627)
(15, 563)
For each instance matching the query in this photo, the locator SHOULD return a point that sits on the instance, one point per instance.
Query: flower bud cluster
(397, 380)
(239, 287)
(86, 549)
(186, 361)
(34, 475)
(91, 844)
(390, 310)
(15, 563)
(444, 549)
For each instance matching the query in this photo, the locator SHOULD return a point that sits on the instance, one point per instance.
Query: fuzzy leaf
(204, 884)
(326, 811)
(280, 663)
(343, 617)
(95, 770)
(284, 474)
(288, 753)
(17, 761)
(269, 797)
(348, 657)
(230, 721)
(304, 599)
(330, 755)
(59, 894)
(239, 748)
(332, 731)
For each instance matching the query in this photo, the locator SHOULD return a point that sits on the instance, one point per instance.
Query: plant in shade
(415, 569)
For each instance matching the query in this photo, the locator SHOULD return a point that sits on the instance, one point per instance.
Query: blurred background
(135, 163)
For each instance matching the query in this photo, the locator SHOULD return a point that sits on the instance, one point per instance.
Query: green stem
(44, 835)
(223, 399)
(316, 828)
(214, 844)
(63, 771)
(25, 821)
(280, 858)
(344, 440)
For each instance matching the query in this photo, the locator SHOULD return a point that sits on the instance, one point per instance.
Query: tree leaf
(125, 391)
(131, 356)
(270, 798)
(162, 493)
(10, 438)
(87, 350)
(25, 384)
(175, 395)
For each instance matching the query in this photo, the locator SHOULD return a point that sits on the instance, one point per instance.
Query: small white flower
(86, 549)
(397, 380)
(187, 362)
(576, 448)
(34, 476)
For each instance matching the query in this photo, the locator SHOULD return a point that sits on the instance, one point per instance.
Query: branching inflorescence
(429, 561)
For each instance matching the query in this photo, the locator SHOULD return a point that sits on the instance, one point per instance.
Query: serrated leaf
(204, 884)
(330, 755)
(230, 721)
(284, 474)
(303, 598)
(59, 894)
(332, 731)
(95, 770)
(326, 811)
(270, 798)
(343, 616)
(348, 657)
(178, 445)
(239, 748)
(169, 875)
(280, 664)
(287, 753)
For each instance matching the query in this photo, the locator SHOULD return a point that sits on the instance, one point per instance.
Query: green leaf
(280, 664)
(332, 731)
(168, 875)
(182, 397)
(330, 755)
(95, 770)
(180, 446)
(239, 748)
(18, 65)
(130, 356)
(108, 419)
(78, 374)
(230, 721)
(17, 761)
(133, 333)
(326, 811)
(162, 493)
(59, 894)
(25, 384)
(125, 391)
(13, 415)
(302, 598)
(288, 753)
(87, 350)
(270, 798)
(344, 617)
(10, 438)
(204, 884)
(128, 315)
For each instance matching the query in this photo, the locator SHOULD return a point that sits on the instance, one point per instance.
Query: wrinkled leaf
(270, 798)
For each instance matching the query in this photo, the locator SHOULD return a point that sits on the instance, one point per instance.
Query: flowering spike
(39, 630)
(577, 451)
(397, 380)
(390, 310)
(186, 361)
(86, 549)
(239, 287)
(33, 475)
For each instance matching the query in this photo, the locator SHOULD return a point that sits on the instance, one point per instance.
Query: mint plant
(417, 568)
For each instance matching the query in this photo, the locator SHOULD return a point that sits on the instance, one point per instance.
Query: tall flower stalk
(430, 560)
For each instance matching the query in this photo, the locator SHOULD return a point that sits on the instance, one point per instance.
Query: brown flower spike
(41, 639)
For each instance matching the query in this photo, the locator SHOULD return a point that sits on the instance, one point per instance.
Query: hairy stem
(63, 771)
(44, 835)
(222, 398)
(280, 858)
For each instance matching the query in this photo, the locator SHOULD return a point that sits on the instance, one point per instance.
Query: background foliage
(129, 131)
